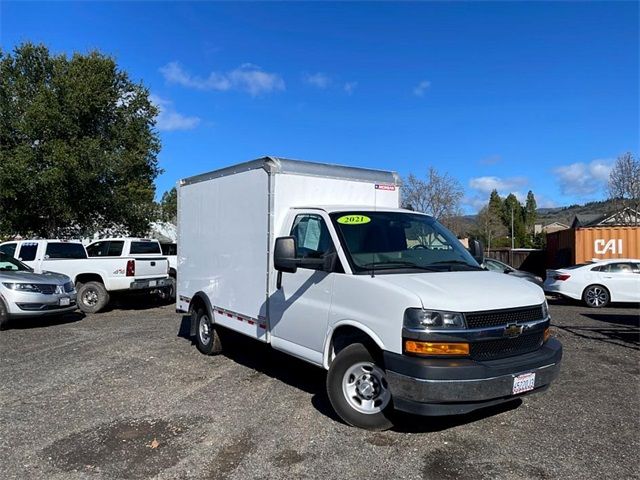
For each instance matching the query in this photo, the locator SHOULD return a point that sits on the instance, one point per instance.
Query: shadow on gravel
(622, 330)
(136, 302)
(406, 423)
(44, 322)
(299, 374)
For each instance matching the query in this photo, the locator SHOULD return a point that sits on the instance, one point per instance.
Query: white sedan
(597, 283)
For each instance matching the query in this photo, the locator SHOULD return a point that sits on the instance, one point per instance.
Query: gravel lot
(125, 394)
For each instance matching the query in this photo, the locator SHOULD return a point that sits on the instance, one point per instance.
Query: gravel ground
(125, 394)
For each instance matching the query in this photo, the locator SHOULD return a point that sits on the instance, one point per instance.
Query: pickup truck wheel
(4, 316)
(92, 297)
(596, 296)
(207, 337)
(358, 389)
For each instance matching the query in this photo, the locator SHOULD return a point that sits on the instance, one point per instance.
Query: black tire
(596, 296)
(207, 336)
(92, 297)
(340, 379)
(171, 289)
(4, 316)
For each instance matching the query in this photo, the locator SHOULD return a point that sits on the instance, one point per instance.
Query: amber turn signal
(430, 348)
(547, 334)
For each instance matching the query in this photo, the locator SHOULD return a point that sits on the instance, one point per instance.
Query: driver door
(299, 309)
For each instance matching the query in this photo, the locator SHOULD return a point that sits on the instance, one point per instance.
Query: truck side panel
(223, 247)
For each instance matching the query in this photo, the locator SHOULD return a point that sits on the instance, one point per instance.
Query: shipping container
(579, 245)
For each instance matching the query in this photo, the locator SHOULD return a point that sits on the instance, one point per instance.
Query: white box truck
(320, 262)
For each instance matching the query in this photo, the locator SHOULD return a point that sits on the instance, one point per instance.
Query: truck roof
(273, 165)
(351, 208)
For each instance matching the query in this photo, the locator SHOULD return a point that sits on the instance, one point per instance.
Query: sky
(512, 96)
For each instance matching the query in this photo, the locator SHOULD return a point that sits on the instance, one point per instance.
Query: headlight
(419, 319)
(545, 309)
(69, 287)
(23, 287)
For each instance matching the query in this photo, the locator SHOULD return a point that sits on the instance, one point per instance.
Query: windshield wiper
(398, 264)
(456, 262)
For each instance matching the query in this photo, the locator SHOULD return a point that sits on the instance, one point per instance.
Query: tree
(78, 151)
(530, 215)
(489, 220)
(169, 206)
(624, 185)
(513, 210)
(437, 195)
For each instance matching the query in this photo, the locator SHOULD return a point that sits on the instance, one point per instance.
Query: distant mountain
(566, 214)
(557, 214)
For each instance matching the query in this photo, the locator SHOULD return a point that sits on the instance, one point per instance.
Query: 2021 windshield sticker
(353, 219)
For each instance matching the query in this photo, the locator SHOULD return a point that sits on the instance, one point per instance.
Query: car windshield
(10, 264)
(399, 241)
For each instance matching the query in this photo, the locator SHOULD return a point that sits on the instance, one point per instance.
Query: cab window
(313, 239)
(28, 252)
(57, 250)
(144, 247)
(8, 249)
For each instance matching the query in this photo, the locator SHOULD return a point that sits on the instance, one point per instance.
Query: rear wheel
(92, 297)
(596, 296)
(358, 389)
(207, 337)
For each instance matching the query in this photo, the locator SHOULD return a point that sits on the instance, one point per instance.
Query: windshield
(399, 241)
(10, 264)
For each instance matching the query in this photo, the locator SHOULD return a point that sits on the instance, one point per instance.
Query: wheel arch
(345, 333)
(199, 299)
(88, 277)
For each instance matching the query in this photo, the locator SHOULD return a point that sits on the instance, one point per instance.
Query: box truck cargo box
(322, 263)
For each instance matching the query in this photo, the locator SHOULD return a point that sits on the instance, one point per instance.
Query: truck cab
(387, 300)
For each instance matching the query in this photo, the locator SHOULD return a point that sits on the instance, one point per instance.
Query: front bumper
(36, 305)
(149, 283)
(435, 386)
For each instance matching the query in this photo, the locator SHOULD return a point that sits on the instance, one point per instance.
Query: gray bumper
(149, 283)
(444, 387)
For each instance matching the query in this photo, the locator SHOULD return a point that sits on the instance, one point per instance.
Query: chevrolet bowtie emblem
(513, 330)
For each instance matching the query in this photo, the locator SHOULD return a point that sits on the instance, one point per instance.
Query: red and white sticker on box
(385, 186)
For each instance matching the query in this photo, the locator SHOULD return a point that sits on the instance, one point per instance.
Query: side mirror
(476, 250)
(284, 255)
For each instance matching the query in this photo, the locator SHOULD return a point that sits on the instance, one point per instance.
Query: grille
(47, 289)
(505, 347)
(495, 318)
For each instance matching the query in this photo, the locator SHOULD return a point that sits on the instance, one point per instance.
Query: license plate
(65, 302)
(153, 283)
(524, 383)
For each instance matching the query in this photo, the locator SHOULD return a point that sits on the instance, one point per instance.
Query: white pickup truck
(94, 277)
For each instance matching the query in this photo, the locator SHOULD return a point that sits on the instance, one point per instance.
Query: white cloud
(168, 119)
(349, 87)
(319, 80)
(420, 89)
(584, 179)
(503, 185)
(246, 78)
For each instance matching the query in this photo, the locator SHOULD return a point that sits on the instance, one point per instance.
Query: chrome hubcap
(90, 298)
(205, 330)
(365, 388)
(596, 296)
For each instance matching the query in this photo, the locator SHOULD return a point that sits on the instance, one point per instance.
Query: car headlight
(69, 287)
(545, 309)
(23, 287)
(419, 319)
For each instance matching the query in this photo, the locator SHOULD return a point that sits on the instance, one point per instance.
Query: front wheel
(358, 389)
(596, 296)
(92, 297)
(4, 316)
